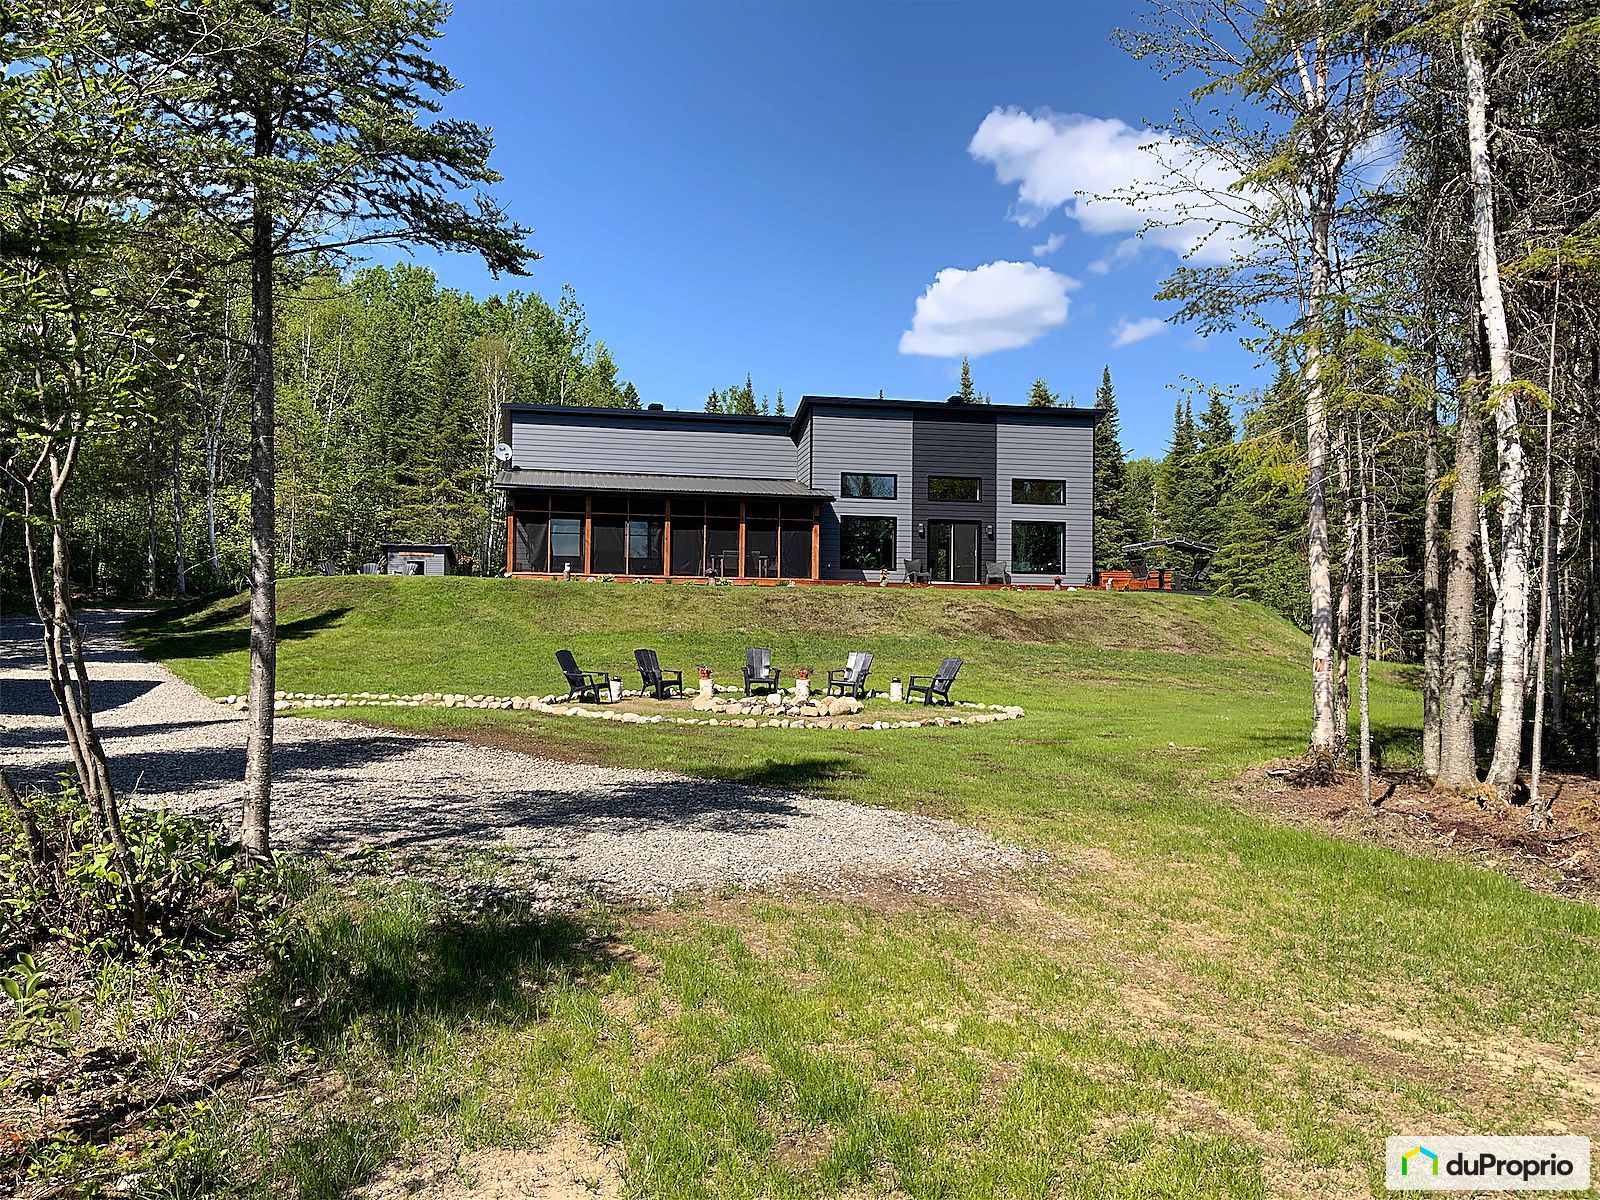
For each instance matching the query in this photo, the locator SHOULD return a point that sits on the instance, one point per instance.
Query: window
(688, 544)
(608, 545)
(867, 543)
(954, 488)
(761, 550)
(1036, 547)
(530, 551)
(867, 487)
(1038, 491)
(566, 543)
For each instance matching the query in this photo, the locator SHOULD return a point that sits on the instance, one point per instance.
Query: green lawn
(1187, 997)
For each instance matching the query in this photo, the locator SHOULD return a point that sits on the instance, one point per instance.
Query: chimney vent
(656, 407)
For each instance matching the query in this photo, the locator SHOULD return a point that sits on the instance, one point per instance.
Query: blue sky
(772, 188)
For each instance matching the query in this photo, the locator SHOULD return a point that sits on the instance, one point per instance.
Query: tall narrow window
(608, 549)
(532, 546)
(644, 546)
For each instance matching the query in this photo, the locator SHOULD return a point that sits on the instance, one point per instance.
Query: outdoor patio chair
(583, 683)
(758, 671)
(936, 685)
(916, 571)
(997, 572)
(656, 681)
(852, 680)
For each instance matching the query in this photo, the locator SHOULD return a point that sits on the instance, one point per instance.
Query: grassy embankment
(1194, 999)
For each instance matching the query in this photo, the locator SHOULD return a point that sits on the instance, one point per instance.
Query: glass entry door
(953, 551)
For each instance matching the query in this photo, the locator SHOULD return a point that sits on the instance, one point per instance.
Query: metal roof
(694, 485)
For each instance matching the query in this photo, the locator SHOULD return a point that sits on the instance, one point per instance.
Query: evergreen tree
(1112, 501)
(1212, 469)
(966, 393)
(778, 409)
(1041, 396)
(1175, 486)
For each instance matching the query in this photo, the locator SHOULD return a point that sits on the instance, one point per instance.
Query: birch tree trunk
(1458, 758)
(255, 825)
(1324, 740)
(1432, 631)
(1508, 436)
(150, 523)
(1344, 629)
(1496, 618)
(1366, 621)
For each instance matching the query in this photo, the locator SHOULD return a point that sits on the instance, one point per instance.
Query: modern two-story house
(845, 489)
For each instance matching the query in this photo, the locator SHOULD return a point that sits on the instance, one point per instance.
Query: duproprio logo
(1452, 1164)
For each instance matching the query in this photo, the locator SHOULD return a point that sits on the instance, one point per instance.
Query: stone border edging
(782, 712)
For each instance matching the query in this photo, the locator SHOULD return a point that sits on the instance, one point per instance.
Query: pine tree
(1041, 396)
(778, 410)
(966, 394)
(1212, 469)
(1177, 498)
(1112, 502)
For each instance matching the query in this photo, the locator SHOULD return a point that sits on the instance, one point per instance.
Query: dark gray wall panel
(876, 443)
(962, 445)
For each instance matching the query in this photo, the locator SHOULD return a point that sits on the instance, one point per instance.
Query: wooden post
(816, 541)
(511, 561)
(666, 542)
(588, 531)
(741, 538)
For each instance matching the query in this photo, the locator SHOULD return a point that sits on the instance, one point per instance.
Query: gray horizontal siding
(583, 442)
(874, 444)
(398, 562)
(1065, 452)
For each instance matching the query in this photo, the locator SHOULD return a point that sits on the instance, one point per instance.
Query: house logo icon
(1419, 1153)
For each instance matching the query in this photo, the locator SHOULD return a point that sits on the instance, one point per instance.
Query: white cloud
(1128, 332)
(998, 306)
(1100, 266)
(1113, 179)
(1050, 245)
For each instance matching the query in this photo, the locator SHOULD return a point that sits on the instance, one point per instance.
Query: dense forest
(206, 387)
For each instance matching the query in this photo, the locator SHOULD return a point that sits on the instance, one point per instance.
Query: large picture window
(1037, 547)
(956, 488)
(566, 543)
(1038, 491)
(867, 543)
(868, 487)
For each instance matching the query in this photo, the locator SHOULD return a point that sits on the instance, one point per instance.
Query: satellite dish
(503, 452)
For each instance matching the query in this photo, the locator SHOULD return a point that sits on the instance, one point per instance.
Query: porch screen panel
(644, 546)
(688, 545)
(608, 551)
(794, 551)
(722, 546)
(761, 550)
(566, 543)
(531, 546)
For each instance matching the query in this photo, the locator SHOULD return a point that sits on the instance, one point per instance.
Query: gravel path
(625, 834)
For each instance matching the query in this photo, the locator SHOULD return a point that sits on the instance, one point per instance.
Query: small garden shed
(417, 558)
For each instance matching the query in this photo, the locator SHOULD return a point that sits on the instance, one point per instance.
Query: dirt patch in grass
(1562, 859)
(566, 1165)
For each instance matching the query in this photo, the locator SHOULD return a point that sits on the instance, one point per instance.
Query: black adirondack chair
(758, 670)
(934, 688)
(583, 683)
(997, 572)
(916, 571)
(656, 681)
(851, 680)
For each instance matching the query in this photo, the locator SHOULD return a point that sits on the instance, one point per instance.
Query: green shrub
(196, 893)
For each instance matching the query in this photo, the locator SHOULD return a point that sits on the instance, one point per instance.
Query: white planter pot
(616, 690)
(896, 692)
(802, 689)
(706, 688)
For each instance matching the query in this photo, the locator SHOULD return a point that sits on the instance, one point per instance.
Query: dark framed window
(1038, 491)
(1037, 547)
(531, 549)
(566, 543)
(868, 487)
(722, 547)
(867, 543)
(955, 488)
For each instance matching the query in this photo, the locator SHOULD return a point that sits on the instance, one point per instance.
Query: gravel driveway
(625, 834)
